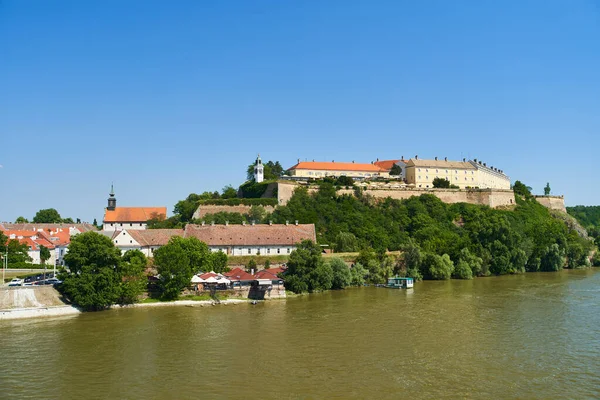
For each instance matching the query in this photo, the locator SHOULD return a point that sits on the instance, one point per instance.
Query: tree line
(98, 275)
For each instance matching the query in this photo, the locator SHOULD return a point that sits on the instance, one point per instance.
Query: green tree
(462, 270)
(95, 223)
(306, 270)
(547, 189)
(175, 263)
(92, 281)
(437, 267)
(396, 170)
(341, 274)
(44, 256)
(345, 242)
(271, 171)
(218, 262)
(441, 183)
(21, 220)
(474, 263)
(553, 259)
(229, 192)
(17, 253)
(412, 260)
(522, 190)
(251, 266)
(257, 213)
(133, 279)
(67, 221)
(357, 273)
(47, 216)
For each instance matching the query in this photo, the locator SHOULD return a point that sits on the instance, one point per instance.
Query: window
(288, 250)
(131, 241)
(111, 224)
(419, 176)
(436, 171)
(140, 224)
(123, 233)
(249, 251)
(278, 251)
(268, 251)
(426, 169)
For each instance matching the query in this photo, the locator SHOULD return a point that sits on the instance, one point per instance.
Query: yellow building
(318, 169)
(421, 173)
(490, 177)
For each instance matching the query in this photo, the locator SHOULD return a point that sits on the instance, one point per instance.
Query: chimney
(352, 161)
(244, 223)
(226, 223)
(253, 222)
(313, 160)
(332, 160)
(270, 222)
(480, 163)
(475, 159)
(298, 161)
(464, 159)
(203, 223)
(296, 222)
(435, 158)
(287, 222)
(212, 223)
(402, 158)
(252, 271)
(484, 164)
(377, 158)
(445, 158)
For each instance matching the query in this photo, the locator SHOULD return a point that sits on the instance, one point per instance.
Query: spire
(112, 201)
(258, 170)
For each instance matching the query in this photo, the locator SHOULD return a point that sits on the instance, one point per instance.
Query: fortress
(495, 198)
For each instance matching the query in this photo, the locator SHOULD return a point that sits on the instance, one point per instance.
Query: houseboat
(400, 283)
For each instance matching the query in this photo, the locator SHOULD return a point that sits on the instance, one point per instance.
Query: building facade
(319, 170)
(234, 240)
(490, 177)
(131, 218)
(421, 173)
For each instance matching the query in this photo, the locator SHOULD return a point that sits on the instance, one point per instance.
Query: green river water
(527, 336)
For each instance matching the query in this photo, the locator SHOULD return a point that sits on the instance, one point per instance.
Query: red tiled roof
(270, 273)
(336, 166)
(387, 164)
(241, 275)
(233, 272)
(133, 214)
(251, 235)
(207, 275)
(37, 227)
(154, 237)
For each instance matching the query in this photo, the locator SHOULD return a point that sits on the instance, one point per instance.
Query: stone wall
(489, 197)
(552, 202)
(203, 210)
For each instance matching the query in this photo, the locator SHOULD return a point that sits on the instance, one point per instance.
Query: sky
(167, 98)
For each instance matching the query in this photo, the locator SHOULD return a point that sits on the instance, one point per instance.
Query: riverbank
(189, 303)
(38, 312)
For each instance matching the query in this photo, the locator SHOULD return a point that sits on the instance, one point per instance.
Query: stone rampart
(489, 197)
(552, 202)
(205, 209)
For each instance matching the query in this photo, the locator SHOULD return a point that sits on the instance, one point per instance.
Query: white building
(131, 218)
(490, 177)
(234, 240)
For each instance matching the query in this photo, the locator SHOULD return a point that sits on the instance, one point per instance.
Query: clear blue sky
(165, 98)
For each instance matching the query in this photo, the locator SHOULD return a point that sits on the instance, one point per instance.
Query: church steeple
(112, 201)
(258, 170)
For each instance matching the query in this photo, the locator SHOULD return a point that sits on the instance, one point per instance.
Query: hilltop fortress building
(415, 172)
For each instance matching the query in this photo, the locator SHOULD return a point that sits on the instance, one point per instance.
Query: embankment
(35, 301)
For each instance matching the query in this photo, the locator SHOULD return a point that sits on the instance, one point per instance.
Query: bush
(437, 267)
(357, 275)
(341, 274)
(462, 270)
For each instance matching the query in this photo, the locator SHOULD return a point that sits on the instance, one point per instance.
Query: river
(525, 336)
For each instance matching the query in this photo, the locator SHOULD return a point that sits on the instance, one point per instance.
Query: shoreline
(68, 310)
(38, 312)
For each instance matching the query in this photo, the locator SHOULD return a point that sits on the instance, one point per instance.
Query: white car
(16, 282)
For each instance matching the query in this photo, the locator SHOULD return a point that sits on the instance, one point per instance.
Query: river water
(527, 336)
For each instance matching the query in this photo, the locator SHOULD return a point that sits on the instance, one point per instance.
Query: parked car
(53, 281)
(16, 282)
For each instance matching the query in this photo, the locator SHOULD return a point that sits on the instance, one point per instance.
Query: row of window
(268, 251)
(455, 178)
(122, 225)
(437, 171)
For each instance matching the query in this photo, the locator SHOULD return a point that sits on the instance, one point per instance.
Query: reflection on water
(526, 336)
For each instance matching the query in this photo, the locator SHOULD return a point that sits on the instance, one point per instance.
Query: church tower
(112, 201)
(259, 170)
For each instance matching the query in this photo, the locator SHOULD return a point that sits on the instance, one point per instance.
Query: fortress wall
(552, 202)
(203, 210)
(488, 197)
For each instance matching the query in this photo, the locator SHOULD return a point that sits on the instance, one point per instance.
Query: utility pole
(4, 264)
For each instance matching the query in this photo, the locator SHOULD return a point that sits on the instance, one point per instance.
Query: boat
(397, 282)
